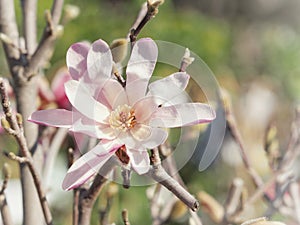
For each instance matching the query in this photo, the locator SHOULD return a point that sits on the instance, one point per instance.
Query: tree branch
(158, 173)
(88, 197)
(45, 47)
(29, 11)
(8, 26)
(20, 138)
(5, 212)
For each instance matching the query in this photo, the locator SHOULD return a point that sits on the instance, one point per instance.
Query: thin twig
(233, 128)
(20, 138)
(125, 217)
(158, 174)
(152, 10)
(88, 197)
(4, 209)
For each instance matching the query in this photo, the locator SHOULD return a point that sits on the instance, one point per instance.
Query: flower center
(122, 118)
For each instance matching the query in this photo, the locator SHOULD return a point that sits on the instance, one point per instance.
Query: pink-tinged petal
(99, 61)
(169, 87)
(141, 132)
(128, 140)
(139, 160)
(89, 164)
(82, 100)
(144, 108)
(94, 130)
(76, 59)
(182, 115)
(158, 136)
(140, 68)
(53, 117)
(112, 94)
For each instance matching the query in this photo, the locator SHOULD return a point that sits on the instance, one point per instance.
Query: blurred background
(252, 47)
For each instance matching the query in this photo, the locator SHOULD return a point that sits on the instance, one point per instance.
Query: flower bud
(272, 146)
(6, 171)
(4, 123)
(119, 49)
(19, 118)
(178, 211)
(213, 208)
(71, 12)
(112, 190)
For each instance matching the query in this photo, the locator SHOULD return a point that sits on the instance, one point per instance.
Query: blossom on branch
(130, 116)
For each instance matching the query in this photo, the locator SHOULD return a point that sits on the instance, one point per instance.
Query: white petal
(94, 130)
(81, 99)
(76, 59)
(127, 139)
(158, 136)
(99, 61)
(141, 132)
(113, 94)
(182, 115)
(89, 164)
(53, 117)
(140, 67)
(139, 160)
(169, 87)
(144, 108)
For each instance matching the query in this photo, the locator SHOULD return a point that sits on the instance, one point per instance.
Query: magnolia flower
(130, 117)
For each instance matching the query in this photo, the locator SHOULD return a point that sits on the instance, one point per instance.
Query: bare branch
(88, 197)
(232, 125)
(45, 47)
(29, 10)
(20, 138)
(158, 174)
(152, 10)
(4, 209)
(8, 26)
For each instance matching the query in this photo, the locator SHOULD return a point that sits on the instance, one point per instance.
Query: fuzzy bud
(178, 211)
(71, 12)
(210, 205)
(19, 118)
(112, 190)
(153, 6)
(6, 171)
(119, 49)
(272, 146)
(5, 124)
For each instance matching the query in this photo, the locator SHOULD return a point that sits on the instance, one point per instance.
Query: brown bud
(119, 49)
(19, 118)
(210, 205)
(178, 211)
(272, 146)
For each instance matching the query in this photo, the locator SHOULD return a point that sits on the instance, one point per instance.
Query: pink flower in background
(57, 87)
(132, 117)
